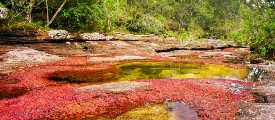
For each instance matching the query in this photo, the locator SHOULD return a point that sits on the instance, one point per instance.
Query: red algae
(213, 98)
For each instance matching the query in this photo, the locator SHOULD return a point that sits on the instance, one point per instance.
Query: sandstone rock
(130, 37)
(24, 56)
(111, 38)
(147, 37)
(3, 13)
(257, 111)
(116, 58)
(208, 44)
(58, 34)
(266, 91)
(92, 36)
(122, 36)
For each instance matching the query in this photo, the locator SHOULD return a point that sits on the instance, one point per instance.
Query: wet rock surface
(257, 111)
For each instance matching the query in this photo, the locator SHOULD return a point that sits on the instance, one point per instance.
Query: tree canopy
(248, 22)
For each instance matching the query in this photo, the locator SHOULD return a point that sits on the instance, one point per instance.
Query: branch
(55, 14)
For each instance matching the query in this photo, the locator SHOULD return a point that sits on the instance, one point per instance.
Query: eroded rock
(58, 34)
(92, 36)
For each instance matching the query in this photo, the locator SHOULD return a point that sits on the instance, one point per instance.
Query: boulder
(3, 13)
(92, 36)
(58, 34)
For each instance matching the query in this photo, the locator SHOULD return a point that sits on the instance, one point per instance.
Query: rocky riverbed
(28, 62)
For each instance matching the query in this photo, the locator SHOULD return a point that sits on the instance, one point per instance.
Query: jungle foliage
(248, 22)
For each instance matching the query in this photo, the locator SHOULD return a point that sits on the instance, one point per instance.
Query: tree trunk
(28, 18)
(47, 9)
(12, 6)
(55, 14)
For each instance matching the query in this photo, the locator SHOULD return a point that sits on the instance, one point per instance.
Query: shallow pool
(150, 70)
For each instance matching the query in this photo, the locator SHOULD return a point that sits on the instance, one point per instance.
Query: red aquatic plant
(45, 99)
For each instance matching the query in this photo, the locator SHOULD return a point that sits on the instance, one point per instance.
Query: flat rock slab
(266, 91)
(116, 87)
(257, 111)
(24, 56)
(116, 58)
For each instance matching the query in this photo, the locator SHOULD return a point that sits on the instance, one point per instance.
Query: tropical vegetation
(247, 22)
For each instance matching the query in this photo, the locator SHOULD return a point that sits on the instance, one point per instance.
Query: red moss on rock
(213, 98)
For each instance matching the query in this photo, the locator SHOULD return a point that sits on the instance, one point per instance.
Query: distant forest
(247, 22)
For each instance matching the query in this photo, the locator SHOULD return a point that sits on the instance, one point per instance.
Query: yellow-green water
(151, 70)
